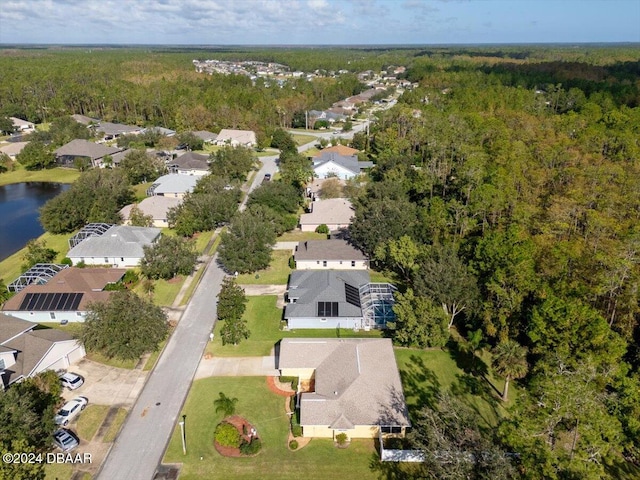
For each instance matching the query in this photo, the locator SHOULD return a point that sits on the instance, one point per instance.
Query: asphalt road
(139, 448)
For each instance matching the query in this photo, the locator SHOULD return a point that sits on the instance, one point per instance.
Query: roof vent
(335, 392)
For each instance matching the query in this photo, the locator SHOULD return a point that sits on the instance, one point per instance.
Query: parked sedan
(71, 380)
(70, 410)
(65, 440)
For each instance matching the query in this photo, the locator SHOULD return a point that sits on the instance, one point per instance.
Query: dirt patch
(242, 425)
(176, 279)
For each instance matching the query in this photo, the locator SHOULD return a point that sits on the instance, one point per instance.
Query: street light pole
(184, 438)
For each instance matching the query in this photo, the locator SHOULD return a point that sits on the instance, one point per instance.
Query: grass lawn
(425, 373)
(379, 277)
(112, 362)
(19, 175)
(320, 459)
(302, 139)
(118, 420)
(165, 290)
(58, 471)
(263, 319)
(277, 273)
(311, 152)
(298, 236)
(140, 190)
(11, 267)
(90, 420)
(202, 240)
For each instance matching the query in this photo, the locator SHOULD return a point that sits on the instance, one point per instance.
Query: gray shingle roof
(328, 250)
(109, 128)
(206, 136)
(356, 381)
(12, 326)
(84, 148)
(155, 206)
(118, 241)
(330, 211)
(350, 162)
(309, 287)
(190, 161)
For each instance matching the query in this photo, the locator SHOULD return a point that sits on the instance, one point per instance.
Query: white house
(120, 246)
(332, 164)
(173, 185)
(65, 297)
(190, 163)
(25, 352)
(329, 255)
(22, 126)
(245, 138)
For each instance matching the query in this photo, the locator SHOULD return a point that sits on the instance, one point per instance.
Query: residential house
(190, 163)
(12, 149)
(329, 254)
(157, 207)
(327, 115)
(332, 164)
(111, 131)
(84, 120)
(76, 149)
(245, 138)
(65, 296)
(119, 246)
(173, 185)
(22, 126)
(349, 386)
(25, 352)
(337, 299)
(335, 213)
(206, 137)
(340, 150)
(166, 132)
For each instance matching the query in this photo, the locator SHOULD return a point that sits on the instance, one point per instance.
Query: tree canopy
(168, 257)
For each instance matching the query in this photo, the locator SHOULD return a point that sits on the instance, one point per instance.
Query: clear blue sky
(224, 22)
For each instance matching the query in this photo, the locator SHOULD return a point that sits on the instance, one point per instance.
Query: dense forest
(505, 201)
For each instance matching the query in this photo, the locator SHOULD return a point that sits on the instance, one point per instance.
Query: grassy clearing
(263, 319)
(299, 236)
(319, 459)
(277, 273)
(11, 267)
(381, 277)
(112, 431)
(165, 290)
(302, 139)
(202, 240)
(90, 420)
(140, 190)
(19, 175)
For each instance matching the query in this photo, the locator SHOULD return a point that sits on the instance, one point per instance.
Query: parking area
(105, 385)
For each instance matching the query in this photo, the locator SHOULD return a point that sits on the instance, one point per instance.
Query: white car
(71, 380)
(65, 440)
(70, 410)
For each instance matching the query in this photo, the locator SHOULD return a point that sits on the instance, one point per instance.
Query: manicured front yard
(299, 236)
(19, 175)
(265, 410)
(302, 139)
(277, 273)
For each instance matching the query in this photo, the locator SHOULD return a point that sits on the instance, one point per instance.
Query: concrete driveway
(105, 385)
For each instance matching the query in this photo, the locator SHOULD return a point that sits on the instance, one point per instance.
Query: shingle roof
(118, 241)
(12, 149)
(174, 183)
(190, 161)
(243, 137)
(156, 206)
(328, 250)
(356, 381)
(309, 287)
(109, 128)
(12, 326)
(88, 281)
(339, 149)
(84, 148)
(83, 119)
(206, 136)
(330, 211)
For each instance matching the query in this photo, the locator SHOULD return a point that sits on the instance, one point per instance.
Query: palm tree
(225, 404)
(510, 361)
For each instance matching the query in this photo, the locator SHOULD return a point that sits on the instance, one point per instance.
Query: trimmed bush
(250, 448)
(341, 438)
(66, 261)
(227, 435)
(293, 444)
(296, 430)
(322, 229)
(292, 263)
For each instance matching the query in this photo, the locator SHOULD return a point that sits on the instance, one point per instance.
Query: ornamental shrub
(250, 448)
(322, 229)
(296, 430)
(227, 435)
(293, 444)
(341, 438)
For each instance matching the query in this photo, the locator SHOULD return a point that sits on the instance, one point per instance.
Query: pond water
(19, 204)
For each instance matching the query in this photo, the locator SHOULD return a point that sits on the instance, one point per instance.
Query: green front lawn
(302, 139)
(265, 410)
(263, 319)
(90, 420)
(114, 428)
(299, 236)
(277, 273)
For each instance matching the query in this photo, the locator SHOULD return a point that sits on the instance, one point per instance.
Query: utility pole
(306, 119)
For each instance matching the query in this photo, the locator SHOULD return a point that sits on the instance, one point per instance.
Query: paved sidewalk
(237, 367)
(285, 246)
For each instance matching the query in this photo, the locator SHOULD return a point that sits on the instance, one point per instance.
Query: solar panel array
(51, 301)
(352, 294)
(327, 309)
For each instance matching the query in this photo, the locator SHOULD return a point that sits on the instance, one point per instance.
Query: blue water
(19, 204)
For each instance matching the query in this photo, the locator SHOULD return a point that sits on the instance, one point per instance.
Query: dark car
(267, 177)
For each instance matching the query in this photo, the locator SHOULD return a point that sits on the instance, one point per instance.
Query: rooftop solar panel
(352, 295)
(50, 301)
